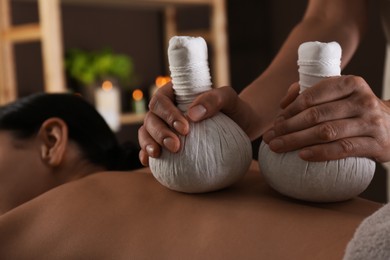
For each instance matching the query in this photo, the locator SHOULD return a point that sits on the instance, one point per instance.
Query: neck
(77, 170)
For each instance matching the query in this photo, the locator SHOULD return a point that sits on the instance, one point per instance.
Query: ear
(53, 135)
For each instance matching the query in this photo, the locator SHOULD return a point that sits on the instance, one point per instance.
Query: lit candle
(107, 102)
(160, 81)
(138, 102)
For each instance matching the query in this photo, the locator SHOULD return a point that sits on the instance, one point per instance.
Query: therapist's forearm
(264, 94)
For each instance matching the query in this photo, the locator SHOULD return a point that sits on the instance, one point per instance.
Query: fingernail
(169, 143)
(276, 144)
(150, 149)
(306, 154)
(269, 135)
(197, 112)
(180, 127)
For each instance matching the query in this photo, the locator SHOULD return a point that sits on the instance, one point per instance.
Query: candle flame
(107, 85)
(137, 94)
(161, 81)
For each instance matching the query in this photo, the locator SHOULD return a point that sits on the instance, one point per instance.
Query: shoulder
(80, 217)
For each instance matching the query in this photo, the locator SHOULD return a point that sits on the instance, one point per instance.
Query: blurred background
(121, 46)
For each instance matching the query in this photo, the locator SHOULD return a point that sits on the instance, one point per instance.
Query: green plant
(90, 67)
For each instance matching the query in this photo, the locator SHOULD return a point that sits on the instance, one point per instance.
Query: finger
(162, 105)
(312, 116)
(167, 90)
(211, 102)
(161, 133)
(144, 158)
(226, 100)
(327, 90)
(340, 149)
(323, 133)
(148, 145)
(292, 94)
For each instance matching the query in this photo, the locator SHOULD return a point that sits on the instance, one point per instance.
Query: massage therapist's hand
(337, 118)
(164, 122)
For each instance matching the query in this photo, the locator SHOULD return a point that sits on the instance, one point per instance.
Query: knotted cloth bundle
(216, 153)
(190, 73)
(328, 181)
(317, 60)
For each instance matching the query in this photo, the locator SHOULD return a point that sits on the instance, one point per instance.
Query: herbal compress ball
(316, 181)
(216, 153)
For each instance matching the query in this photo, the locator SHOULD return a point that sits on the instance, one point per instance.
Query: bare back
(131, 216)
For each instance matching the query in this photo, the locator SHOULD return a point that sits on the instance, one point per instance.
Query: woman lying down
(61, 197)
(51, 139)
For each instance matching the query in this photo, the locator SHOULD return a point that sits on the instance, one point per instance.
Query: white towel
(372, 238)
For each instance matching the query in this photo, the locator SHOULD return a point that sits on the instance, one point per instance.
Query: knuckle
(353, 82)
(228, 100)
(226, 90)
(369, 102)
(146, 119)
(143, 158)
(307, 99)
(159, 106)
(141, 131)
(281, 128)
(327, 132)
(347, 147)
(151, 131)
(216, 99)
(154, 102)
(377, 122)
(170, 118)
(158, 136)
(382, 139)
(313, 116)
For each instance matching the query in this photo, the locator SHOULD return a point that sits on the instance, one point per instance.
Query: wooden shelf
(153, 3)
(48, 31)
(23, 33)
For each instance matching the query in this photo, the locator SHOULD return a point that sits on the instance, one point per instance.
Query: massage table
(129, 215)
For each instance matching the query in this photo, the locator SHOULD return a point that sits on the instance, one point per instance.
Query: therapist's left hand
(337, 118)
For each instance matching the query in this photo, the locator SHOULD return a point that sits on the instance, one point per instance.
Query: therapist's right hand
(164, 122)
(161, 125)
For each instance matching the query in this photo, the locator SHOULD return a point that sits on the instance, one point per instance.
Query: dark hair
(86, 127)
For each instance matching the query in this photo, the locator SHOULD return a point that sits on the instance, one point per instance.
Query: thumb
(211, 102)
(291, 95)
